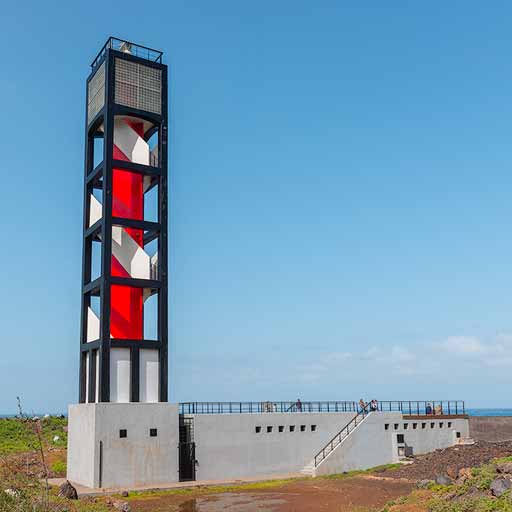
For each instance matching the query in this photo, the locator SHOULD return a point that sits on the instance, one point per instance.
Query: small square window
(441, 424)
(386, 426)
(458, 435)
(258, 430)
(313, 428)
(406, 426)
(269, 429)
(400, 438)
(123, 433)
(153, 432)
(432, 425)
(303, 428)
(449, 424)
(414, 426)
(423, 425)
(292, 428)
(281, 428)
(396, 426)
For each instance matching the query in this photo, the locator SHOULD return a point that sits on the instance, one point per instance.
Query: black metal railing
(424, 407)
(126, 46)
(265, 407)
(340, 436)
(409, 407)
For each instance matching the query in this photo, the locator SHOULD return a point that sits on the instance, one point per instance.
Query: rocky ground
(451, 460)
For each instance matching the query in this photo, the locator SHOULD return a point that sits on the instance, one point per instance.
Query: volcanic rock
(443, 480)
(500, 485)
(66, 490)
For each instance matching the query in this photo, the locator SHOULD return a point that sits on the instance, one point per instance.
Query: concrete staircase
(465, 441)
(308, 470)
(334, 444)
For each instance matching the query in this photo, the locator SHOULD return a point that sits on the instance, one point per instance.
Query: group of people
(372, 405)
(438, 409)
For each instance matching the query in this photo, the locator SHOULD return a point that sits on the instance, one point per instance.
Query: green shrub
(59, 468)
(482, 477)
(480, 504)
(18, 436)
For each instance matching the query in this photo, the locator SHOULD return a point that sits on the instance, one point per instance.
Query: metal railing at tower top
(264, 407)
(121, 45)
(424, 407)
(407, 408)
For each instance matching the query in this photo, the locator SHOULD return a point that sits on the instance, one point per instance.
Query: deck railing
(268, 406)
(409, 407)
(424, 407)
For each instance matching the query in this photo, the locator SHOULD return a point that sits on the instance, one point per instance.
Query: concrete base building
(123, 433)
(130, 445)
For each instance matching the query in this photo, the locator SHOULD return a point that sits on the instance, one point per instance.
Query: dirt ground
(360, 493)
(366, 492)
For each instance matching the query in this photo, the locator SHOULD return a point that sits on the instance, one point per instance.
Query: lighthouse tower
(123, 341)
(123, 431)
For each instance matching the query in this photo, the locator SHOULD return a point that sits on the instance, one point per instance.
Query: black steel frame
(100, 177)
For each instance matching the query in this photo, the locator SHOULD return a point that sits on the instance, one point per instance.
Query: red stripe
(127, 201)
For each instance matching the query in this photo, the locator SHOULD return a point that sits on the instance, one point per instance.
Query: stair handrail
(361, 414)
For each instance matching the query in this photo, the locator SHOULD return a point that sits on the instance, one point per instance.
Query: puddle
(233, 503)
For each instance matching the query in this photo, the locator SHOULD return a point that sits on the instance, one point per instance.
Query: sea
(471, 412)
(489, 412)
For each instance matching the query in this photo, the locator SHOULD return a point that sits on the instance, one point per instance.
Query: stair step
(464, 441)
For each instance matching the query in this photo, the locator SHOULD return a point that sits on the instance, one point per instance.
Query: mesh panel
(138, 86)
(96, 93)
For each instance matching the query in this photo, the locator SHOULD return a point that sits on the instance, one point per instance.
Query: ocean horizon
(473, 411)
(489, 412)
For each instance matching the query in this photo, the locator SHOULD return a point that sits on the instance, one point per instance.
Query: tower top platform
(121, 45)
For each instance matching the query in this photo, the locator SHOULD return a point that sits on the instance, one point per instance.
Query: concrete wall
(227, 445)
(369, 445)
(421, 440)
(138, 459)
(490, 428)
(375, 441)
(82, 457)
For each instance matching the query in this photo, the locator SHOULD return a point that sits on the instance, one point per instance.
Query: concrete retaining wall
(490, 428)
(227, 445)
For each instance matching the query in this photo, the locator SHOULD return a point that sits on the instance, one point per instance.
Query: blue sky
(340, 197)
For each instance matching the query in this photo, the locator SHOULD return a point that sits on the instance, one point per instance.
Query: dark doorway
(187, 450)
